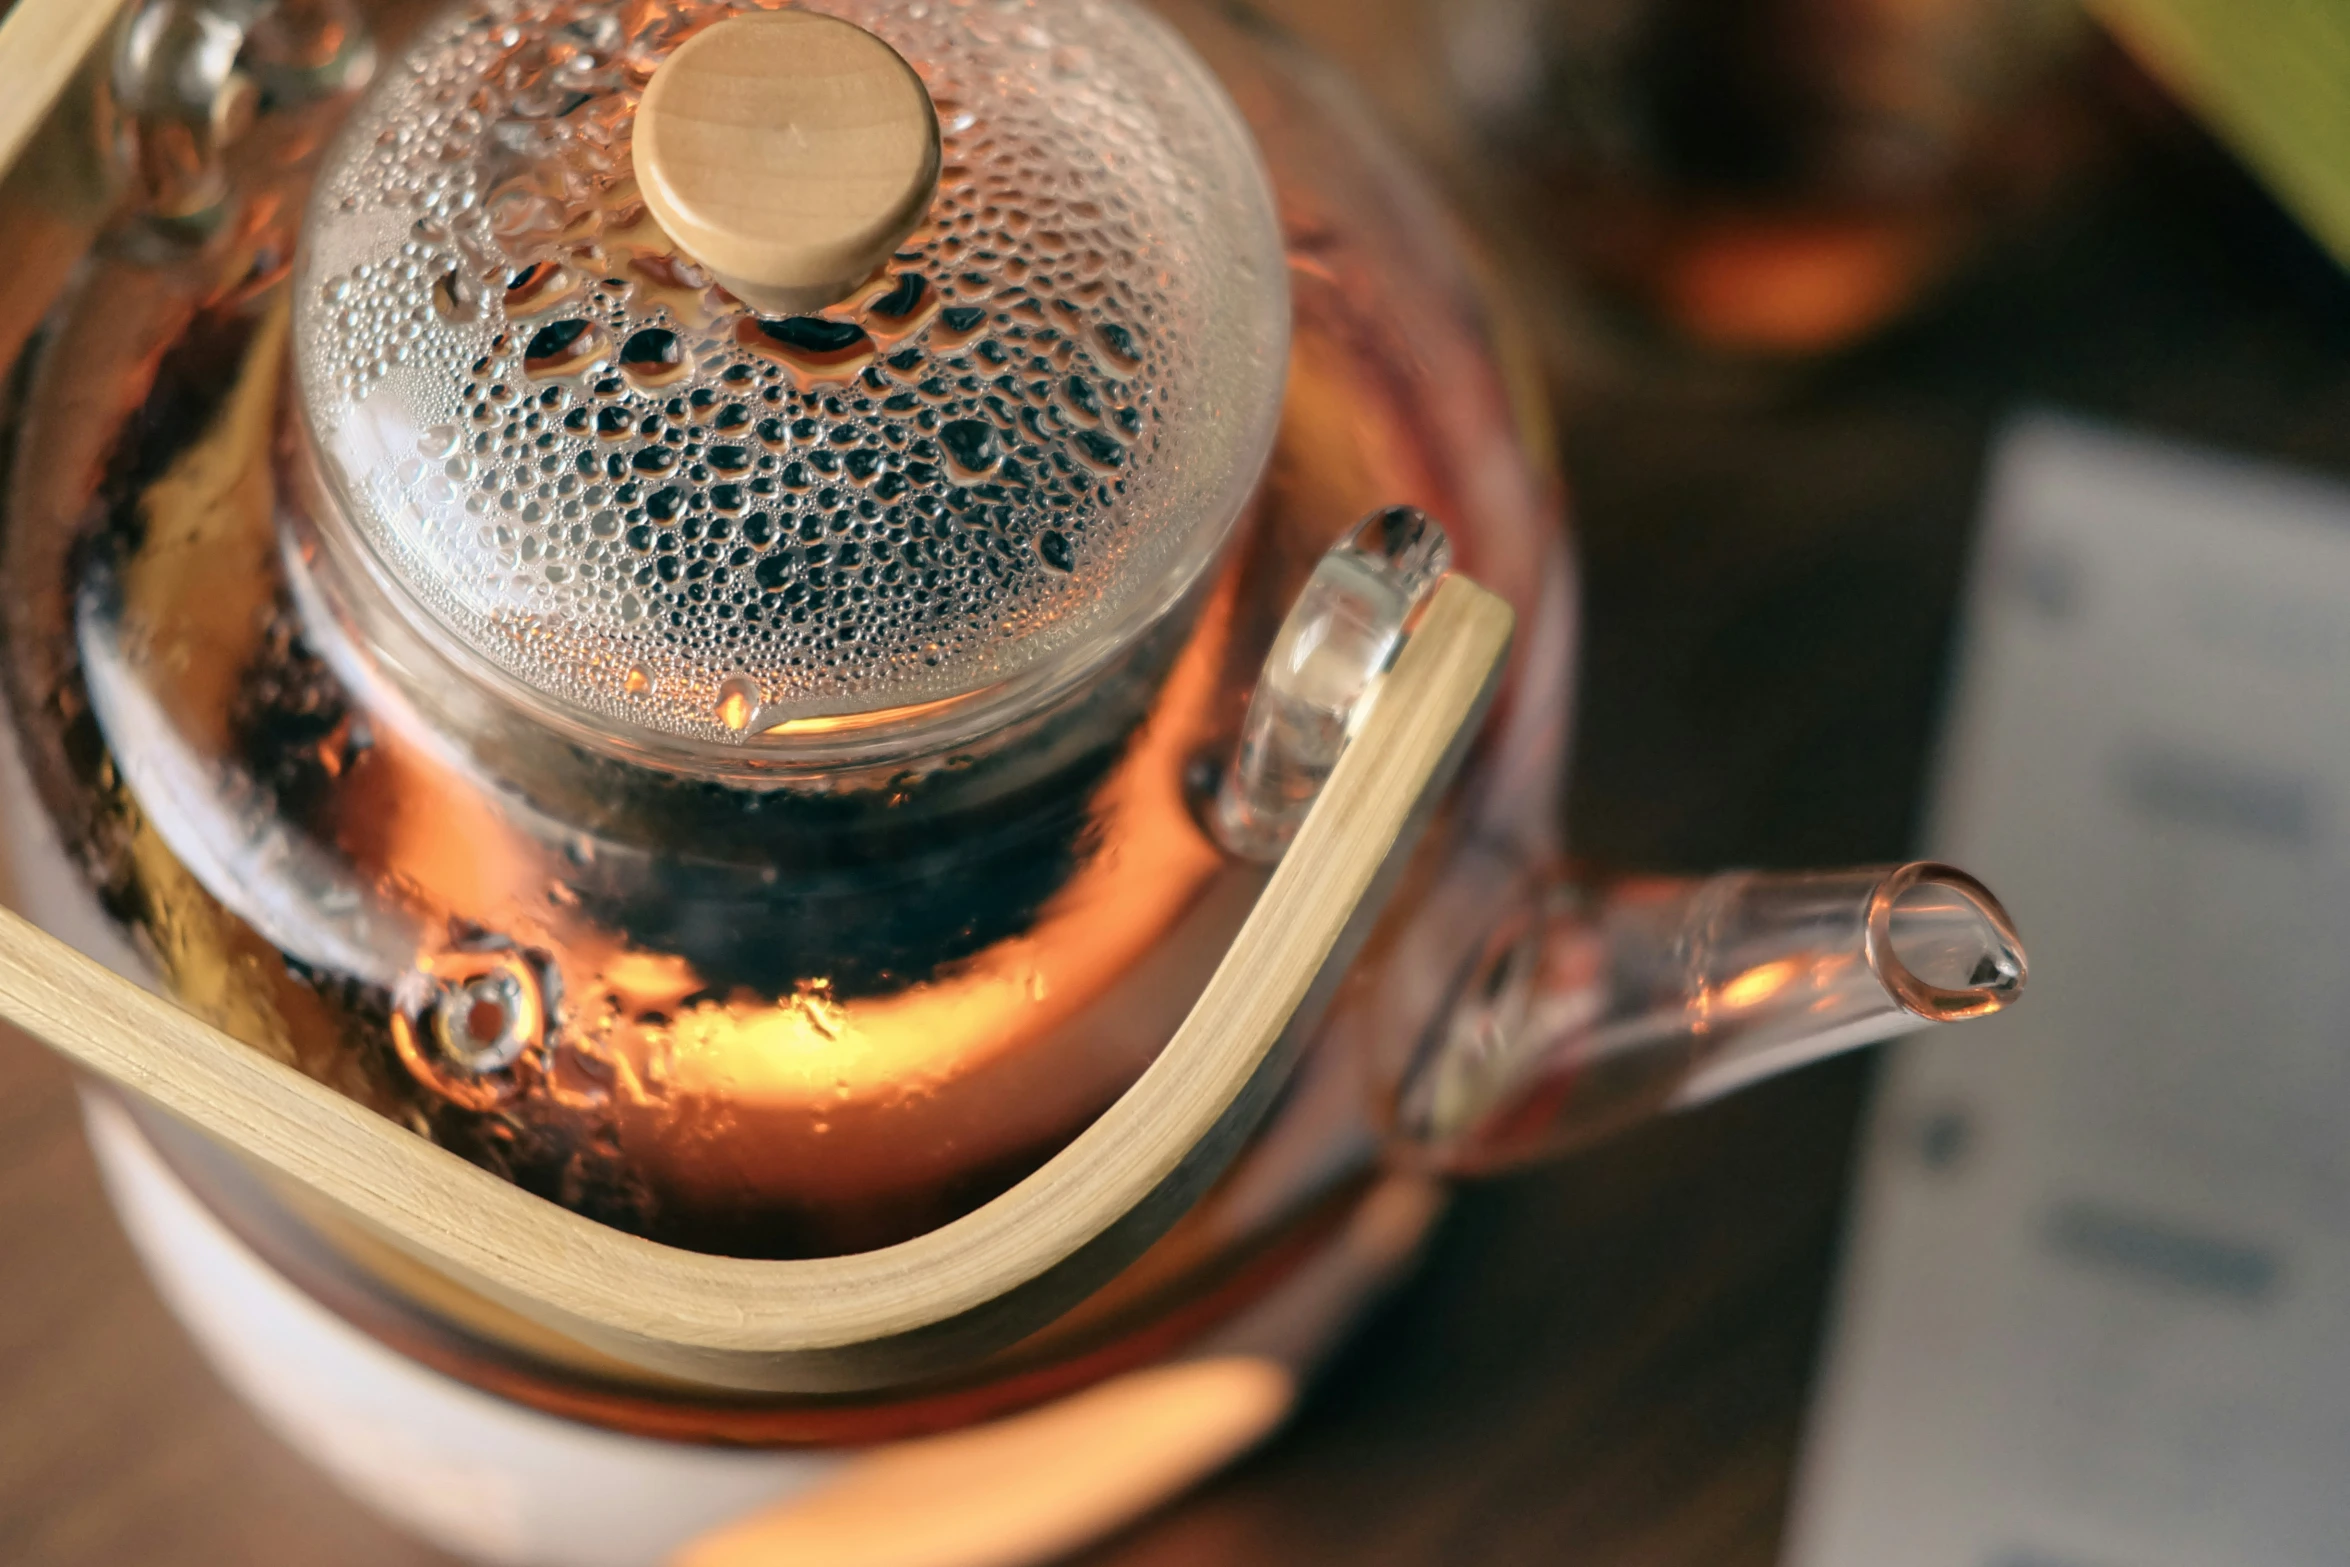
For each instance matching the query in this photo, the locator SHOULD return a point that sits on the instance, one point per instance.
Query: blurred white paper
(2097, 1306)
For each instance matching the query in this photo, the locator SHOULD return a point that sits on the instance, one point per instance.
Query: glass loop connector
(1322, 675)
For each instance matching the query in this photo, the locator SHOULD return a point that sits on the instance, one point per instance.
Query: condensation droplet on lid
(973, 448)
(456, 298)
(561, 349)
(909, 302)
(637, 681)
(739, 698)
(538, 288)
(1099, 452)
(814, 349)
(958, 324)
(1117, 346)
(654, 358)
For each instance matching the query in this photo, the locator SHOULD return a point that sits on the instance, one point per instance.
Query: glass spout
(1582, 1012)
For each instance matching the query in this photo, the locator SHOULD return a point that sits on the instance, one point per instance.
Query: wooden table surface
(1606, 1362)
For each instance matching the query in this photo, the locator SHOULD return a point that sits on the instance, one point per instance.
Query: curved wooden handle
(42, 46)
(879, 1317)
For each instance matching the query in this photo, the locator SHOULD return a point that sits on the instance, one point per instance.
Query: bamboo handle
(877, 1317)
(42, 46)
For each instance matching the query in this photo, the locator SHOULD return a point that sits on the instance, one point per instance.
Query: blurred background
(1909, 360)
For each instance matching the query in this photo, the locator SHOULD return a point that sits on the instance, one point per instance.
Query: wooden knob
(789, 153)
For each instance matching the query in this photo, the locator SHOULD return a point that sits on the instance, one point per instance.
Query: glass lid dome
(611, 488)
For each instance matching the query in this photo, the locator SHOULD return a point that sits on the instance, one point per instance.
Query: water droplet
(539, 288)
(1053, 547)
(973, 448)
(1117, 345)
(456, 298)
(654, 358)
(562, 348)
(813, 348)
(908, 304)
(739, 698)
(960, 323)
(1100, 452)
(637, 681)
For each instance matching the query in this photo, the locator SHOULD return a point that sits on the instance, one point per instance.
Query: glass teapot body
(701, 949)
(770, 1009)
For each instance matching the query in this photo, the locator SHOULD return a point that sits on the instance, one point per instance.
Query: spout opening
(1942, 945)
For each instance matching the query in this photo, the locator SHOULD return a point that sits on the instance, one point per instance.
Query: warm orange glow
(1026, 1489)
(1760, 984)
(436, 835)
(190, 591)
(812, 1050)
(1797, 284)
(839, 1101)
(734, 710)
(842, 723)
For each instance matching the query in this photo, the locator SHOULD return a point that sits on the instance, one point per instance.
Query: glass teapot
(725, 612)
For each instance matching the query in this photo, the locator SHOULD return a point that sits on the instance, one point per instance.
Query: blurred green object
(2272, 77)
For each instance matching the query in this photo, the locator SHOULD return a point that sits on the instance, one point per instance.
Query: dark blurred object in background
(1775, 176)
(1683, 186)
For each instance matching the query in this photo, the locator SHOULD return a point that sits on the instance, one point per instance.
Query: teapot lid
(634, 501)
